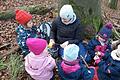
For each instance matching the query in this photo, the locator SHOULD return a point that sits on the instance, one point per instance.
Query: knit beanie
(22, 17)
(106, 31)
(71, 52)
(67, 13)
(36, 45)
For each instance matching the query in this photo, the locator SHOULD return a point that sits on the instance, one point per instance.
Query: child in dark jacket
(100, 46)
(25, 30)
(70, 67)
(111, 70)
(66, 28)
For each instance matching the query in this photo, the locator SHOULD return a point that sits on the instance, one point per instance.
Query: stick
(84, 61)
(5, 45)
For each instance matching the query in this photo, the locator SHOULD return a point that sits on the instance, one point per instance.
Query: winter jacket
(91, 48)
(72, 32)
(113, 66)
(23, 34)
(40, 67)
(83, 52)
(81, 73)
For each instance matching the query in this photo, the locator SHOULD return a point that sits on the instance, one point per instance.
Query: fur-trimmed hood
(115, 54)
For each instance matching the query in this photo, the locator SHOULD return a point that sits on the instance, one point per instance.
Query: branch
(5, 45)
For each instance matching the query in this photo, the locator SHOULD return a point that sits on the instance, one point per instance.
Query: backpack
(45, 28)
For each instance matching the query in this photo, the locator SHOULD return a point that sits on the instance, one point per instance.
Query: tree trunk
(113, 4)
(33, 9)
(89, 11)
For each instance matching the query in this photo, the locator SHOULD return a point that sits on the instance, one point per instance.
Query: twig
(5, 45)
(113, 17)
(116, 32)
(84, 61)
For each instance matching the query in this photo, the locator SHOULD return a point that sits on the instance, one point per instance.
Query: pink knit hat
(36, 45)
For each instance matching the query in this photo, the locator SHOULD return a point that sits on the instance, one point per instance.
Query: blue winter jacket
(80, 74)
(23, 34)
(93, 43)
(113, 66)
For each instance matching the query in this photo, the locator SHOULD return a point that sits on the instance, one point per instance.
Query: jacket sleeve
(107, 52)
(21, 40)
(53, 30)
(51, 65)
(114, 70)
(91, 48)
(88, 74)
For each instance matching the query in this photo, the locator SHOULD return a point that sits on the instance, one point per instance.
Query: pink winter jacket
(40, 67)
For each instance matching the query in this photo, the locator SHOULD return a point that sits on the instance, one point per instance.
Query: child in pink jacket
(38, 63)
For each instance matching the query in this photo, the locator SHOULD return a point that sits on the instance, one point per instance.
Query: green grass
(15, 66)
(2, 65)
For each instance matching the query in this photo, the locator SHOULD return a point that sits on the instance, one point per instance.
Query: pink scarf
(70, 68)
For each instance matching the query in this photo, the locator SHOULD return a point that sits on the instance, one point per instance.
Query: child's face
(65, 21)
(101, 39)
(30, 24)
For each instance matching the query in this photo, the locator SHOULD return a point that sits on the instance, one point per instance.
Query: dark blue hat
(106, 31)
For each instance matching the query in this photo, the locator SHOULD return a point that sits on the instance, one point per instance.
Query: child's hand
(109, 71)
(96, 57)
(97, 61)
(51, 43)
(64, 44)
(98, 53)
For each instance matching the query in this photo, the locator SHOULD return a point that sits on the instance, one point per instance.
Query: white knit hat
(67, 13)
(71, 52)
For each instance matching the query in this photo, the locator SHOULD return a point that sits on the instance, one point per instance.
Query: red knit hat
(22, 17)
(36, 45)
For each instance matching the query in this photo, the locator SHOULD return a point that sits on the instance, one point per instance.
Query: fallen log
(33, 9)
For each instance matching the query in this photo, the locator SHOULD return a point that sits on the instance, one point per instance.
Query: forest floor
(11, 65)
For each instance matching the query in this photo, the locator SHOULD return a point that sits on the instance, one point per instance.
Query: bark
(89, 12)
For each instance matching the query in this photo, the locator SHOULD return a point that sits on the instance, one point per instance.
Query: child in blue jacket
(25, 30)
(111, 70)
(100, 46)
(70, 68)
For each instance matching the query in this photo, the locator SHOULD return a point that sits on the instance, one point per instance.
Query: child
(100, 46)
(111, 70)
(38, 63)
(25, 30)
(70, 67)
(66, 28)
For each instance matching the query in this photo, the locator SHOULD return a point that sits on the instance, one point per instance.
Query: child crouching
(70, 67)
(111, 70)
(38, 63)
